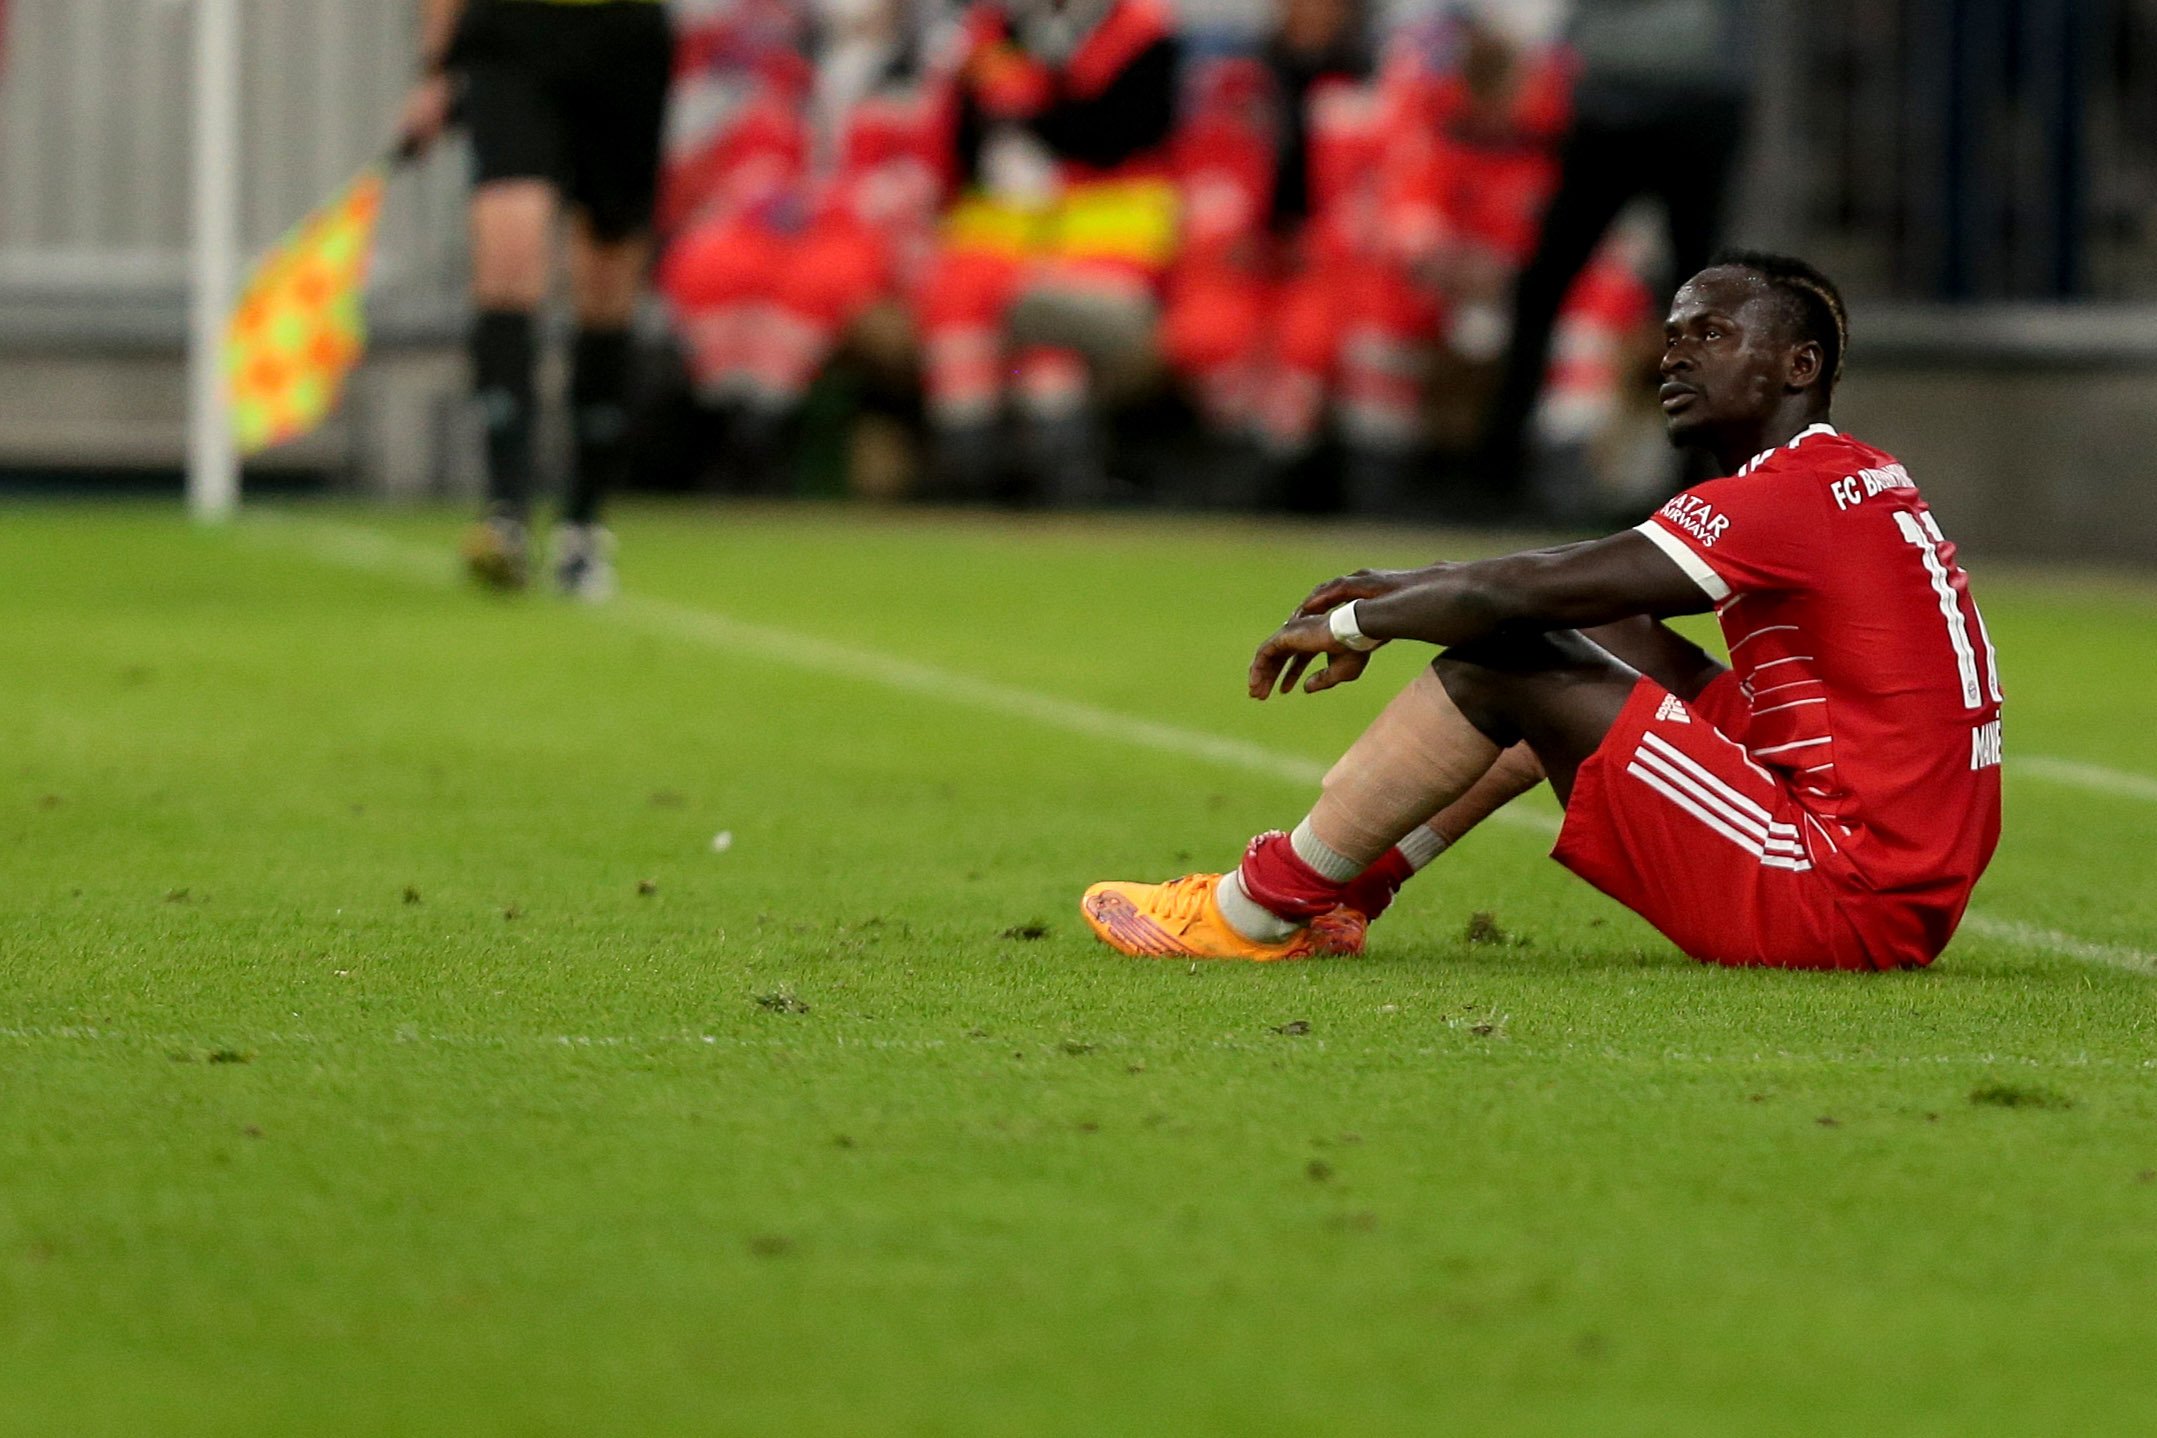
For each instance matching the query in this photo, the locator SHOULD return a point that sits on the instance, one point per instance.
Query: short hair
(1814, 304)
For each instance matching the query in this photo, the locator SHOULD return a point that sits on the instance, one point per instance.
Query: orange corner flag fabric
(300, 327)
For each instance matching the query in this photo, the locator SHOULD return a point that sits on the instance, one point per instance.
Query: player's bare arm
(1574, 586)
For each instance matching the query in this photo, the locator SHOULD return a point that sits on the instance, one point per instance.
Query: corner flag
(300, 327)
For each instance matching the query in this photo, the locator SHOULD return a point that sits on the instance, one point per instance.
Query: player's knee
(1502, 682)
(1481, 693)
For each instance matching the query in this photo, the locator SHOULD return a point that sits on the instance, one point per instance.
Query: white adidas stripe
(1755, 832)
(1774, 844)
(1775, 836)
(1716, 782)
(1663, 787)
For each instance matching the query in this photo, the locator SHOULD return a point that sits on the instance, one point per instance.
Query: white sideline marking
(2030, 936)
(371, 551)
(680, 621)
(2118, 783)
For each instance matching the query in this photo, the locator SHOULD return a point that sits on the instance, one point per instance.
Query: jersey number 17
(1923, 532)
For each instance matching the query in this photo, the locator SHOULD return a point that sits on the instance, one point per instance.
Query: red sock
(1371, 892)
(1280, 882)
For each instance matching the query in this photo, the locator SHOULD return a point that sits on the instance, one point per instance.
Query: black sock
(599, 416)
(502, 363)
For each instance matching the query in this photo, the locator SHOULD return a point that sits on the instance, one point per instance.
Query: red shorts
(1671, 817)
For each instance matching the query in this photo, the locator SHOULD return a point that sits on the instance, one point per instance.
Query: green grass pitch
(387, 1049)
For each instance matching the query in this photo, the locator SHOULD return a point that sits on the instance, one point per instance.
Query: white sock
(1422, 845)
(1330, 862)
(1247, 916)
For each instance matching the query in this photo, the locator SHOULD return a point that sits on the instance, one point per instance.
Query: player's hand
(1284, 657)
(1363, 584)
(427, 108)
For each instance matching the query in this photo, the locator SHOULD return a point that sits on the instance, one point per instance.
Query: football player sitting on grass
(1826, 800)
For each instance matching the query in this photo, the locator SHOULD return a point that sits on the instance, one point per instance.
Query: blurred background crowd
(1058, 237)
(1402, 260)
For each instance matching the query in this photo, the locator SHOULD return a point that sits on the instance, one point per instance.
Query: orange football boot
(1179, 920)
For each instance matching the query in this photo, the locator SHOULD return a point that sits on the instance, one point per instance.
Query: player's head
(1751, 338)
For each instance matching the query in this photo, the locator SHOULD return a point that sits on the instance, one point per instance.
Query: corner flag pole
(213, 467)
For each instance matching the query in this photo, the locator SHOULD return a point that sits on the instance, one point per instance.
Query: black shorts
(572, 94)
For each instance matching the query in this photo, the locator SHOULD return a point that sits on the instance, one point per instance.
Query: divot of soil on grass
(2004, 1095)
(1318, 1170)
(781, 1002)
(1483, 929)
(647, 887)
(411, 894)
(1294, 1028)
(1034, 930)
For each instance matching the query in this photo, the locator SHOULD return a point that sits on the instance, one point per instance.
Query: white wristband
(1341, 620)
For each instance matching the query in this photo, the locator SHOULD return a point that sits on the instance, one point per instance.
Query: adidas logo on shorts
(1672, 711)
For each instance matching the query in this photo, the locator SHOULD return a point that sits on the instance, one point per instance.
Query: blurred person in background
(1378, 242)
(733, 106)
(818, 199)
(1470, 117)
(1660, 106)
(1477, 106)
(1050, 261)
(1275, 164)
(565, 101)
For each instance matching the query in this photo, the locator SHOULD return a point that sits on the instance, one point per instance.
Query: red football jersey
(1869, 681)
